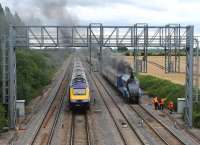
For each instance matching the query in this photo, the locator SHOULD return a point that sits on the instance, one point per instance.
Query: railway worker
(161, 103)
(171, 106)
(155, 102)
(158, 103)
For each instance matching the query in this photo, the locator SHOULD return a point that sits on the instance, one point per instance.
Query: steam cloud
(116, 63)
(43, 12)
(56, 10)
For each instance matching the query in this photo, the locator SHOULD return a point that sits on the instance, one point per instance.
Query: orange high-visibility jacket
(171, 105)
(155, 100)
(161, 101)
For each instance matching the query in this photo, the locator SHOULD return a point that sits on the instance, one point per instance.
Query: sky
(108, 12)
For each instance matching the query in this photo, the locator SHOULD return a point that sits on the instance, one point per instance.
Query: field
(152, 69)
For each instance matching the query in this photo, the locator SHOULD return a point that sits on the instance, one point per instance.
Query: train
(79, 92)
(121, 76)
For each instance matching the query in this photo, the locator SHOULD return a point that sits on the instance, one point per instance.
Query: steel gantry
(139, 36)
(196, 71)
(9, 75)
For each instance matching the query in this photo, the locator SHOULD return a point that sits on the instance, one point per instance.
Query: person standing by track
(170, 106)
(155, 102)
(161, 103)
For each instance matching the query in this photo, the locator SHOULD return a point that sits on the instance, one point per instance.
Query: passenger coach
(79, 96)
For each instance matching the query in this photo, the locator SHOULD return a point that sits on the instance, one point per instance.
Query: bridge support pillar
(189, 75)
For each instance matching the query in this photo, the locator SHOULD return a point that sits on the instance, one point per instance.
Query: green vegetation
(34, 67)
(34, 71)
(166, 89)
(196, 115)
(161, 88)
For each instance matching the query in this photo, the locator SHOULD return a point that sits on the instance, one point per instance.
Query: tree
(33, 73)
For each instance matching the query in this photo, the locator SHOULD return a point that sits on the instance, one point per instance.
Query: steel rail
(86, 126)
(162, 125)
(146, 121)
(109, 111)
(71, 141)
(58, 113)
(46, 113)
(120, 110)
(143, 118)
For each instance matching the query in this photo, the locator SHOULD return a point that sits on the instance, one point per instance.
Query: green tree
(33, 73)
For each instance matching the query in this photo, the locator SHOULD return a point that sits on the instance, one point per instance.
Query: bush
(196, 119)
(34, 71)
(196, 115)
(166, 89)
(161, 88)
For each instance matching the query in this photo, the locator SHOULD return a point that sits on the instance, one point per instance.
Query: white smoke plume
(43, 12)
(56, 10)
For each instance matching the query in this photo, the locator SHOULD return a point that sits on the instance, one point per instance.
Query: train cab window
(78, 70)
(79, 76)
(76, 80)
(79, 91)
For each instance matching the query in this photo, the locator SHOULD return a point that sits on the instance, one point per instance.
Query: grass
(166, 89)
(162, 88)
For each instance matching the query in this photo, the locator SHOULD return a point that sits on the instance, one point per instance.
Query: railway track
(127, 134)
(45, 131)
(196, 138)
(80, 133)
(159, 128)
(142, 137)
(56, 119)
(163, 133)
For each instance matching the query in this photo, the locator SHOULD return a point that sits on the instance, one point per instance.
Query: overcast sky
(108, 12)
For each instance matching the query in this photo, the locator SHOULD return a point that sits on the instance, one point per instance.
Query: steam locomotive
(121, 76)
